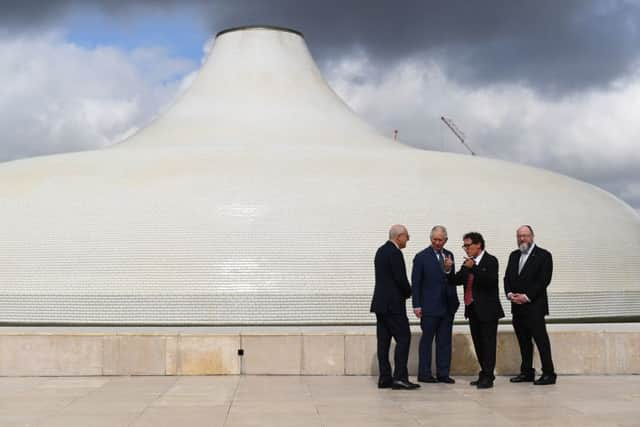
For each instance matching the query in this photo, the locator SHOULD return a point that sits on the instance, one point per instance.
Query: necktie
(523, 259)
(441, 260)
(468, 295)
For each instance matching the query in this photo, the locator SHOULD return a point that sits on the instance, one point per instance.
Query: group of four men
(435, 300)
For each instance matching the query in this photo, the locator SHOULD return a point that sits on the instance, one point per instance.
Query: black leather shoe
(485, 383)
(446, 380)
(523, 378)
(546, 379)
(428, 379)
(404, 385)
(385, 384)
(474, 382)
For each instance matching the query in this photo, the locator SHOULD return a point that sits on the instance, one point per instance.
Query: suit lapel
(434, 259)
(484, 257)
(431, 254)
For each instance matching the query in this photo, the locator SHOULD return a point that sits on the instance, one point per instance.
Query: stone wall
(73, 351)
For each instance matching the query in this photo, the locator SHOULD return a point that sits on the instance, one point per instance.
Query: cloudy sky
(554, 84)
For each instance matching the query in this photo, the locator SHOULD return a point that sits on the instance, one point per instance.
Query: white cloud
(594, 136)
(57, 96)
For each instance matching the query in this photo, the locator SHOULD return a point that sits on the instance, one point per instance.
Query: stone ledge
(592, 349)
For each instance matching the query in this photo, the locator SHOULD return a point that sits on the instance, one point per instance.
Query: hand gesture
(448, 263)
(469, 262)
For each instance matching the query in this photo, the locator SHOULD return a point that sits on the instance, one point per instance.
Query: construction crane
(457, 132)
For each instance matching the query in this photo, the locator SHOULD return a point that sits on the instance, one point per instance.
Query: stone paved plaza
(313, 401)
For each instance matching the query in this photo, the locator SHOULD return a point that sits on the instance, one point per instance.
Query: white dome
(259, 197)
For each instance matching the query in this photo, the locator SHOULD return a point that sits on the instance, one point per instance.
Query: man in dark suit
(389, 304)
(479, 277)
(525, 282)
(435, 302)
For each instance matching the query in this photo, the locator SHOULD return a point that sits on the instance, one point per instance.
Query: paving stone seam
(313, 401)
(151, 402)
(233, 399)
(61, 410)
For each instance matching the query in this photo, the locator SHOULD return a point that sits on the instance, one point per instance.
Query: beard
(524, 247)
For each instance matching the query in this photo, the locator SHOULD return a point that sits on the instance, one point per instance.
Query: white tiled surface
(313, 401)
(260, 198)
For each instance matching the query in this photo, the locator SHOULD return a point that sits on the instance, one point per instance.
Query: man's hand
(519, 299)
(417, 312)
(469, 262)
(448, 263)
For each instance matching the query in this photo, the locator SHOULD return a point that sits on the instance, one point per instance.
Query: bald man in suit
(392, 289)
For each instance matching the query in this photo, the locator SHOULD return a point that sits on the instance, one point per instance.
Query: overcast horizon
(549, 84)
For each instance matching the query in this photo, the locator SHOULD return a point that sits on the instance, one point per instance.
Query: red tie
(468, 298)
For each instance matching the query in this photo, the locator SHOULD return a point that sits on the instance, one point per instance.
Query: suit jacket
(392, 286)
(433, 290)
(532, 280)
(485, 293)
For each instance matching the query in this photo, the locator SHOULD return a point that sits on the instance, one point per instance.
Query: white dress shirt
(524, 256)
(479, 257)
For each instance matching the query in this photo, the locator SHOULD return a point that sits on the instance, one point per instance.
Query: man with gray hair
(435, 302)
(392, 289)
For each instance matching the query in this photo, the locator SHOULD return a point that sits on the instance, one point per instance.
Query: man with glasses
(392, 289)
(479, 277)
(525, 282)
(435, 302)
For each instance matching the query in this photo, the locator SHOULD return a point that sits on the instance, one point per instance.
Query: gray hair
(439, 228)
(396, 230)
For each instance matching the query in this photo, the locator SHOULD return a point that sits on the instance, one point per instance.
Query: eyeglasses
(466, 245)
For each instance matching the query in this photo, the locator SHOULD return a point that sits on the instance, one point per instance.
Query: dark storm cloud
(557, 47)
(15, 14)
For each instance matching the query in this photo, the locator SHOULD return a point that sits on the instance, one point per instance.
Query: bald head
(396, 230)
(525, 228)
(399, 234)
